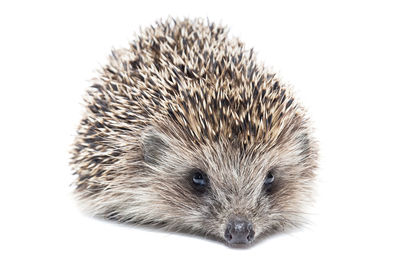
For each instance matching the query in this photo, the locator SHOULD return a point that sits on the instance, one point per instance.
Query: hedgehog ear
(154, 145)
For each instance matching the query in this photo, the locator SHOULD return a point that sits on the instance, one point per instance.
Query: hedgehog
(184, 130)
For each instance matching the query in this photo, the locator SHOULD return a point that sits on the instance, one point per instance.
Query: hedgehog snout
(239, 231)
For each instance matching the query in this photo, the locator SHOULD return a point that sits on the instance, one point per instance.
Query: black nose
(239, 231)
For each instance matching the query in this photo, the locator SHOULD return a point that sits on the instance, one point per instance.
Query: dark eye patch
(199, 180)
(268, 180)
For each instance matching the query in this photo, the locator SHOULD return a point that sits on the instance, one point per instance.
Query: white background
(343, 59)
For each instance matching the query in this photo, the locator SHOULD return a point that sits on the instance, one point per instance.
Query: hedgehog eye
(199, 181)
(269, 179)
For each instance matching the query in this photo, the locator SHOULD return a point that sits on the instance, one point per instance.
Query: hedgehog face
(223, 190)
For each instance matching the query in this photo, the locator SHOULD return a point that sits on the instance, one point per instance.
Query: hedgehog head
(225, 188)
